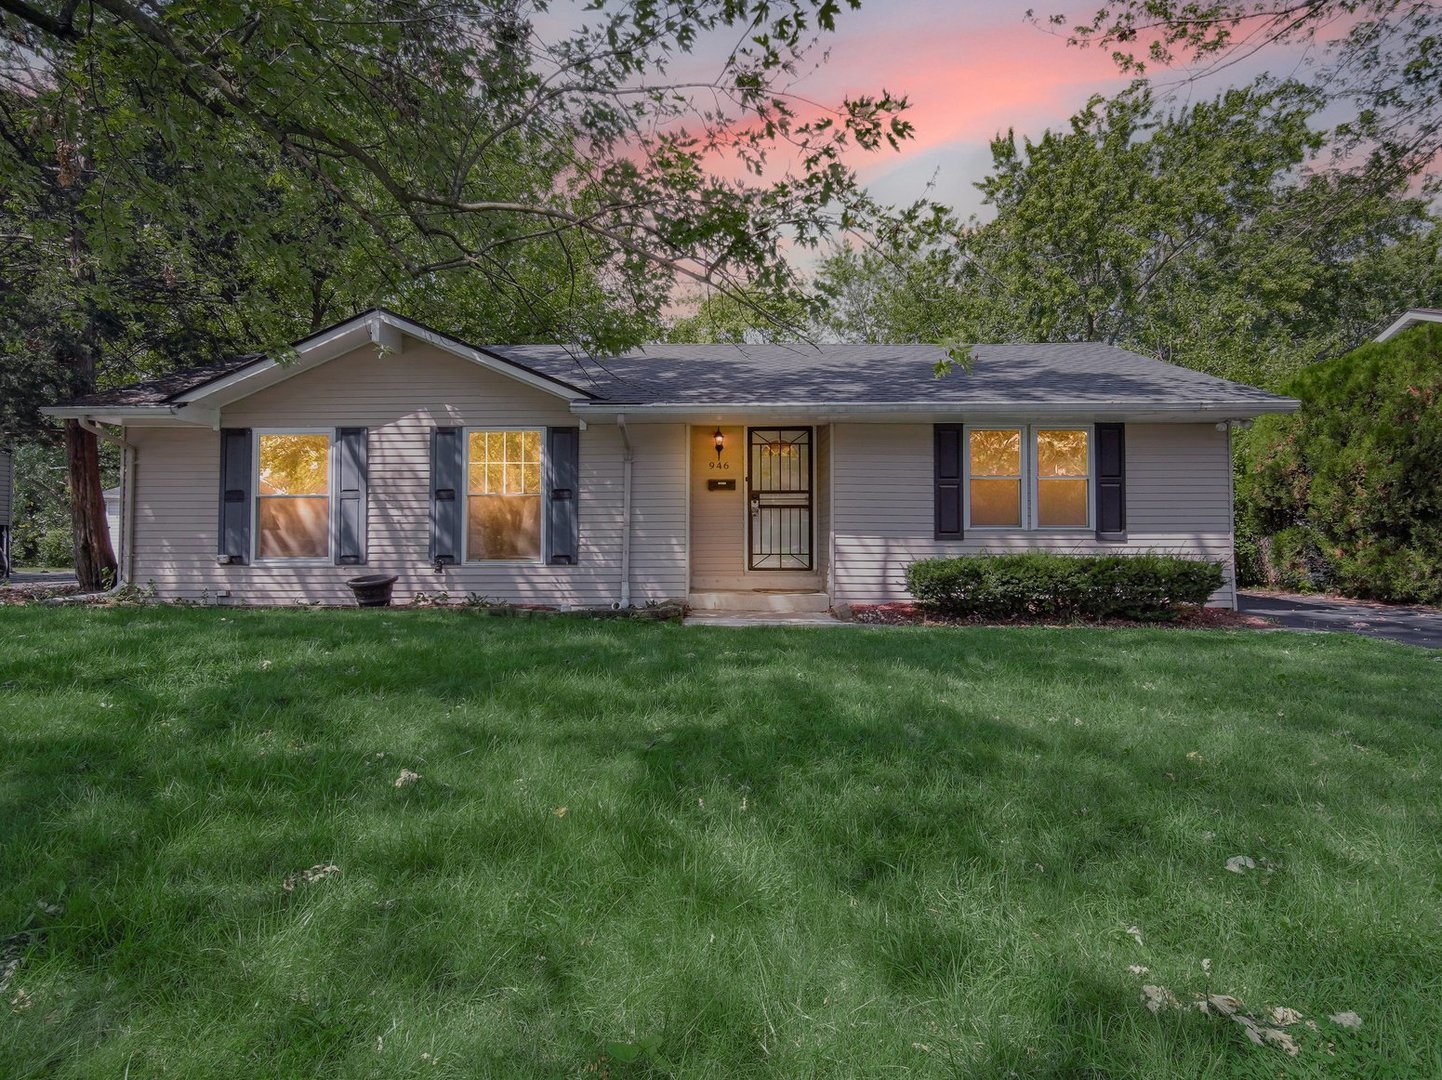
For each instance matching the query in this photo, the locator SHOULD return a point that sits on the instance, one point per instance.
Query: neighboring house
(7, 503)
(1411, 318)
(762, 477)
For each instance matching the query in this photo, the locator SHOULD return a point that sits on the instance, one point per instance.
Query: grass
(759, 852)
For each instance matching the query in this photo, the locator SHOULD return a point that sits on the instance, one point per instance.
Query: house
(7, 501)
(1409, 319)
(786, 477)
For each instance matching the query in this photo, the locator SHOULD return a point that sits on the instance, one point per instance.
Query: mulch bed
(902, 614)
(32, 592)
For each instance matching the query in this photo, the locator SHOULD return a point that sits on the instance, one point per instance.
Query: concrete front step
(760, 600)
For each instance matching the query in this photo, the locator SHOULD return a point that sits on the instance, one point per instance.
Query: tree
(1381, 57)
(418, 116)
(198, 173)
(1346, 493)
(1197, 235)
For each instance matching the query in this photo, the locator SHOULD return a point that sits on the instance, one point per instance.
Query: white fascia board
(137, 415)
(267, 372)
(486, 360)
(931, 411)
(1409, 320)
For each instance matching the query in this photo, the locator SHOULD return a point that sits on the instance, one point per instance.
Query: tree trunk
(95, 564)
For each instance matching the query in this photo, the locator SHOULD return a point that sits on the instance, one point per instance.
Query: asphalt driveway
(1394, 622)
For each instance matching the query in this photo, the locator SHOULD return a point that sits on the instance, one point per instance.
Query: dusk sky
(971, 69)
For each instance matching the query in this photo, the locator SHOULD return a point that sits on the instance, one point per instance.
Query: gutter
(1229, 409)
(129, 454)
(628, 454)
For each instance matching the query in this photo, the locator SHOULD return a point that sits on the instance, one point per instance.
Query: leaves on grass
(407, 778)
(1139, 969)
(1239, 864)
(1157, 998)
(12, 951)
(1136, 933)
(318, 872)
(1266, 1032)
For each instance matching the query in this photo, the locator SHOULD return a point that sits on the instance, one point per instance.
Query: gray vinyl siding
(7, 487)
(1178, 501)
(400, 399)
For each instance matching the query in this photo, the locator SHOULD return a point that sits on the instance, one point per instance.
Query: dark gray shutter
(947, 481)
(235, 481)
(349, 521)
(563, 479)
(448, 466)
(1111, 481)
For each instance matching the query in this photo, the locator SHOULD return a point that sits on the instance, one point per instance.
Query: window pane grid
(505, 463)
(503, 505)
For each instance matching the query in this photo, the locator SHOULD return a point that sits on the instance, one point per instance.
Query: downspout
(128, 455)
(628, 454)
(1232, 514)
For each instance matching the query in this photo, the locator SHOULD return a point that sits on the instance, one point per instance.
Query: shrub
(1346, 494)
(1150, 587)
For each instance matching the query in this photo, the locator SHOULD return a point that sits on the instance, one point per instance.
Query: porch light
(720, 443)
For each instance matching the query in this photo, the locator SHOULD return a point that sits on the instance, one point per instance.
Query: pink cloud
(965, 83)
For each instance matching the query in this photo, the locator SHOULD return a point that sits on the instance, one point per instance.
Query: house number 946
(718, 465)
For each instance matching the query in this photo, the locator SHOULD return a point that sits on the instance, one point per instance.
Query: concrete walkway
(31, 577)
(1393, 622)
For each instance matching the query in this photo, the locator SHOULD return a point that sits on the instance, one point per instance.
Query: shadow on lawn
(883, 767)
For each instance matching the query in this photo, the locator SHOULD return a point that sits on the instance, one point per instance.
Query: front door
(779, 471)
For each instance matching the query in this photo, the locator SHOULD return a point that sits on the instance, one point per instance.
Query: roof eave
(1235, 409)
(1409, 320)
(158, 415)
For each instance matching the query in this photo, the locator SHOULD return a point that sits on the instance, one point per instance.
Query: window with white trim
(503, 495)
(292, 495)
(1063, 478)
(993, 489)
(1029, 477)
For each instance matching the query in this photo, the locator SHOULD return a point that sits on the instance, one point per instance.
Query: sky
(972, 69)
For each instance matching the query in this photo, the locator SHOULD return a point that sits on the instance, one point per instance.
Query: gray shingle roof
(800, 375)
(882, 374)
(168, 387)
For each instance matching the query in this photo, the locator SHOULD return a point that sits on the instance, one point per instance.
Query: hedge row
(1148, 587)
(1346, 495)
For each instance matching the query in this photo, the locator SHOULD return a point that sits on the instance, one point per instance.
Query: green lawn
(789, 853)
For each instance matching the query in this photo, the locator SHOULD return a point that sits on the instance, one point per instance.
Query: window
(1055, 461)
(994, 490)
(292, 505)
(503, 495)
(1063, 481)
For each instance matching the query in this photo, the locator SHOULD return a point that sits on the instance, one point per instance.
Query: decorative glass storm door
(779, 470)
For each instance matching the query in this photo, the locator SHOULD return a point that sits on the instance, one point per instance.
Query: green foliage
(1148, 587)
(1207, 235)
(41, 532)
(1346, 493)
(1376, 61)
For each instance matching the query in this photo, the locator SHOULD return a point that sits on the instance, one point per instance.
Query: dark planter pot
(373, 590)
